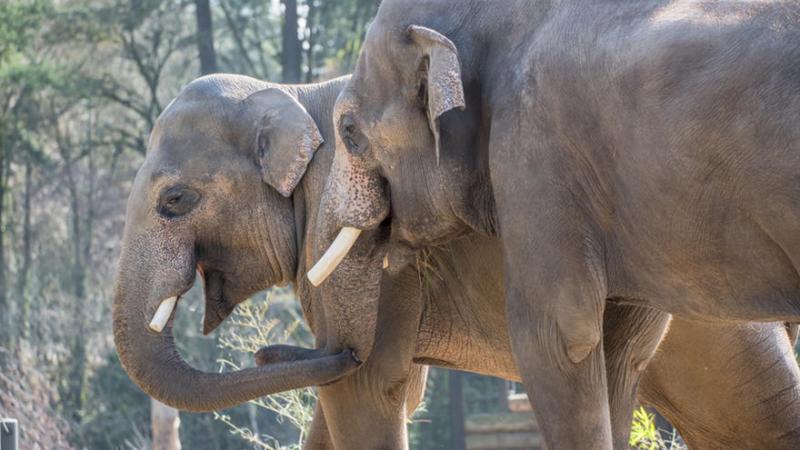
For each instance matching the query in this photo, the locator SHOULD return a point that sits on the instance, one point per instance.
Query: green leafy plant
(646, 436)
(643, 431)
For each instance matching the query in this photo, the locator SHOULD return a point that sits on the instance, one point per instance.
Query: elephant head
(395, 163)
(213, 198)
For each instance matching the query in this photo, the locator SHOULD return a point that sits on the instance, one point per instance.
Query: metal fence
(9, 435)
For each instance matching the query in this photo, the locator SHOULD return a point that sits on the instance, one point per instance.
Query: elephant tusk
(162, 314)
(333, 256)
(386, 262)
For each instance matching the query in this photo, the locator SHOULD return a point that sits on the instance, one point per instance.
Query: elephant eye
(349, 141)
(353, 139)
(177, 201)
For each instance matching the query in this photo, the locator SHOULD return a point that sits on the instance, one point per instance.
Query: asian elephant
(230, 188)
(644, 154)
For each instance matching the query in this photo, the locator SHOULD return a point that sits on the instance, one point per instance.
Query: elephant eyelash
(174, 200)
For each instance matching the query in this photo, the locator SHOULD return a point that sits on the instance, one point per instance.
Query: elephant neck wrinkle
(278, 233)
(299, 210)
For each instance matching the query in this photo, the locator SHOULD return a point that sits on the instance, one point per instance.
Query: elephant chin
(218, 308)
(216, 312)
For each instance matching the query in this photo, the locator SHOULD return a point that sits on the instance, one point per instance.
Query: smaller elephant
(224, 142)
(189, 213)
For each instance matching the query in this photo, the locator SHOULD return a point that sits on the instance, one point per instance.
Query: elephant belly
(713, 261)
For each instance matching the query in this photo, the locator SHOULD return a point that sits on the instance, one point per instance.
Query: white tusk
(334, 255)
(162, 314)
(386, 262)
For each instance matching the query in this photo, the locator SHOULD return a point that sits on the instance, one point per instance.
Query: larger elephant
(226, 145)
(644, 153)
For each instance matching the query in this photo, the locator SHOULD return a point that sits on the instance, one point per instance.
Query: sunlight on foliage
(645, 435)
(256, 324)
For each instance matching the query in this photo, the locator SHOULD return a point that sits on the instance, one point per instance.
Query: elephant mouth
(164, 314)
(218, 306)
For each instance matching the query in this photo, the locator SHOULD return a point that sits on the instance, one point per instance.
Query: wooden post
(457, 434)
(165, 425)
(9, 435)
(503, 392)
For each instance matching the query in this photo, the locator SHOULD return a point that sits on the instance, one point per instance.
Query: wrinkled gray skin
(455, 318)
(642, 152)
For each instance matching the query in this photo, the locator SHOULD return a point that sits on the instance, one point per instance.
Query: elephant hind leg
(727, 385)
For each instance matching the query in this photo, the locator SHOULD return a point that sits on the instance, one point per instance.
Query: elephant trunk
(350, 293)
(152, 361)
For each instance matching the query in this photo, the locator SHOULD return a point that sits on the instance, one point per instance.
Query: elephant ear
(286, 138)
(440, 75)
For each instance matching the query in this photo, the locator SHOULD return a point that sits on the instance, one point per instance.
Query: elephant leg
(556, 284)
(727, 385)
(631, 335)
(318, 437)
(363, 418)
(555, 326)
(567, 386)
(368, 409)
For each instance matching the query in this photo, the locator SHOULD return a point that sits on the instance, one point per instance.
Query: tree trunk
(205, 38)
(457, 434)
(291, 51)
(165, 424)
(77, 360)
(313, 31)
(22, 276)
(5, 319)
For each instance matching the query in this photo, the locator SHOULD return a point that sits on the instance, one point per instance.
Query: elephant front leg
(556, 292)
(319, 437)
(559, 351)
(369, 412)
(631, 335)
(369, 409)
(555, 318)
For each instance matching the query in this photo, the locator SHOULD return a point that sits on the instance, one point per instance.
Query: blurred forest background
(81, 84)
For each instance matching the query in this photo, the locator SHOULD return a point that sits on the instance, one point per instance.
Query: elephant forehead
(209, 116)
(196, 155)
(189, 127)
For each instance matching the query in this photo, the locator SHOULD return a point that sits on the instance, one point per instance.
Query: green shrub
(646, 436)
